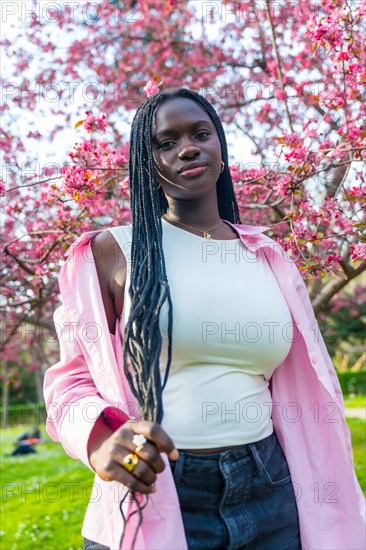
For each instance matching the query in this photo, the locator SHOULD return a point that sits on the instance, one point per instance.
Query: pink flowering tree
(288, 78)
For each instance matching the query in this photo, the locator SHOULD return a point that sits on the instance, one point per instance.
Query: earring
(222, 166)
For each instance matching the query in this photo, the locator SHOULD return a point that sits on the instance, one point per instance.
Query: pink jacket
(308, 413)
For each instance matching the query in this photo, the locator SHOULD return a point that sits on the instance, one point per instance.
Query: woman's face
(186, 148)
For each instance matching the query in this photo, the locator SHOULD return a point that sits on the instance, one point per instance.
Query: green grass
(358, 434)
(39, 508)
(355, 402)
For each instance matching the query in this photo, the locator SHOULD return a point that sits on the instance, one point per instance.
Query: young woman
(195, 384)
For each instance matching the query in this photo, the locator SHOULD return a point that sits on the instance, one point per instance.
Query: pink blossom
(151, 88)
(358, 251)
(279, 94)
(94, 123)
(327, 31)
(237, 69)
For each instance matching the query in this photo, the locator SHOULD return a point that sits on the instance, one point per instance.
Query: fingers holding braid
(131, 455)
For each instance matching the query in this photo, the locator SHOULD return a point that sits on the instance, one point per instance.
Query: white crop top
(231, 329)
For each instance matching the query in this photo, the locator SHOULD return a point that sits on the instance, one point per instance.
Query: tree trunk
(38, 378)
(4, 403)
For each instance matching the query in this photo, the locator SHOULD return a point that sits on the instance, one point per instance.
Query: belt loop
(256, 457)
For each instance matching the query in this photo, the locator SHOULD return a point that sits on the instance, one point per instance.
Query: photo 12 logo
(68, 12)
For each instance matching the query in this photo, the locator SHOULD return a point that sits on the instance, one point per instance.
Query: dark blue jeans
(242, 498)
(91, 545)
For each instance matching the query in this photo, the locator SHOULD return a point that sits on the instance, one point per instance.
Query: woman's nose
(189, 150)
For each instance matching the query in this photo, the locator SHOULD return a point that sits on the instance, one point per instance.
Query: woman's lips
(194, 171)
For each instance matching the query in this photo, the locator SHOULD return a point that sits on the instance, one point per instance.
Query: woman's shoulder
(105, 243)
(109, 246)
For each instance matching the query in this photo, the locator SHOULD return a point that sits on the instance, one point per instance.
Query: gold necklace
(206, 234)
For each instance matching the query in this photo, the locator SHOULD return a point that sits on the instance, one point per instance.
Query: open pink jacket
(308, 413)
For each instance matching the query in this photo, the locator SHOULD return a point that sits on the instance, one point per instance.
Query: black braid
(149, 286)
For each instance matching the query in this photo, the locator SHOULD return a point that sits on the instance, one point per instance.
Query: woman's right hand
(108, 449)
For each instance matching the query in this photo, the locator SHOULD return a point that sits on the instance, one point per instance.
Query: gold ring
(130, 461)
(139, 448)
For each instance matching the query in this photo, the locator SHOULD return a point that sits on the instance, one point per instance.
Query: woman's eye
(166, 145)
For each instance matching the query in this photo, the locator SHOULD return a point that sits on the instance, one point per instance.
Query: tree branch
(33, 184)
(278, 60)
(338, 178)
(19, 262)
(334, 286)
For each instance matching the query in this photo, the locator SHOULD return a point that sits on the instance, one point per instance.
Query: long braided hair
(149, 286)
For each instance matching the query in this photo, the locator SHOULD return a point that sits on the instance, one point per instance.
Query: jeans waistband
(239, 451)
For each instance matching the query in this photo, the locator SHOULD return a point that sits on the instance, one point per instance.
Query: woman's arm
(111, 266)
(106, 448)
(88, 426)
